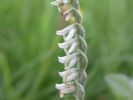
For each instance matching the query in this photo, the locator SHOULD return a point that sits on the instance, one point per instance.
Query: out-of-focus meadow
(28, 49)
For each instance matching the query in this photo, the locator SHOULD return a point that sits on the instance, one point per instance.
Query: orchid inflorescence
(74, 45)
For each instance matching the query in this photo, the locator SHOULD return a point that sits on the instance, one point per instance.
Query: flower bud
(60, 2)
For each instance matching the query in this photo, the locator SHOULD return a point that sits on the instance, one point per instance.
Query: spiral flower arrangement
(74, 45)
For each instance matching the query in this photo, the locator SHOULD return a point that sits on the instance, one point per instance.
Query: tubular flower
(75, 61)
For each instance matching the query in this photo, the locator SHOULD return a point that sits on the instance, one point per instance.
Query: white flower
(72, 13)
(65, 88)
(70, 74)
(67, 44)
(65, 30)
(72, 30)
(73, 44)
(79, 56)
(72, 63)
(71, 34)
(74, 3)
(67, 58)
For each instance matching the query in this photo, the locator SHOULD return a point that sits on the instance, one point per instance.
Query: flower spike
(75, 61)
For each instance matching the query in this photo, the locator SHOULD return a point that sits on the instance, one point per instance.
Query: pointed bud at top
(72, 13)
(60, 2)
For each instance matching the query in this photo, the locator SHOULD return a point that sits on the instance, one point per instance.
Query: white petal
(68, 16)
(62, 32)
(83, 77)
(62, 74)
(59, 9)
(65, 88)
(64, 45)
(66, 1)
(59, 86)
(83, 45)
(57, 2)
(73, 13)
(63, 59)
(80, 89)
(65, 30)
(84, 60)
(80, 92)
(72, 56)
(68, 88)
(71, 77)
(70, 74)
(71, 33)
(81, 30)
(73, 48)
(72, 63)
(67, 58)
(67, 44)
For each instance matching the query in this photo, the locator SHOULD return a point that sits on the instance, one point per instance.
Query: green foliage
(28, 49)
(121, 86)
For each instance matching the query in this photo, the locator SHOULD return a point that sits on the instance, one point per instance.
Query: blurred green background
(28, 49)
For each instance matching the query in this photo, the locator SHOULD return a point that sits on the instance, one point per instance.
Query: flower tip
(59, 45)
(54, 3)
(58, 33)
(61, 74)
(57, 86)
(61, 60)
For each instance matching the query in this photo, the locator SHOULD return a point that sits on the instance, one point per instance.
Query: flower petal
(65, 30)
(59, 2)
(72, 13)
(71, 33)
(80, 92)
(83, 77)
(72, 48)
(81, 30)
(65, 88)
(74, 62)
(69, 74)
